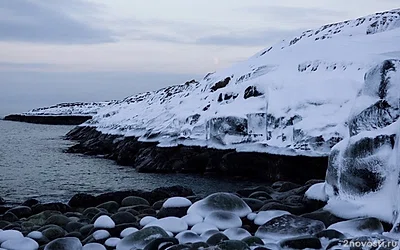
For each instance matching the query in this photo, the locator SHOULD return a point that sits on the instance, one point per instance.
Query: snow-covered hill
(294, 97)
(68, 109)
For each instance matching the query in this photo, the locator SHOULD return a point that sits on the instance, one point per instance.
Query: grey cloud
(254, 38)
(48, 22)
(9, 66)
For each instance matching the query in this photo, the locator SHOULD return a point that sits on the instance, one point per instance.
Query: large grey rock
(68, 243)
(141, 238)
(365, 164)
(287, 226)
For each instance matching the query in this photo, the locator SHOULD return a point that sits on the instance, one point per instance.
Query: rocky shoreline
(264, 217)
(147, 157)
(49, 119)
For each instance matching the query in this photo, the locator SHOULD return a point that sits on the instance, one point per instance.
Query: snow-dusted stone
(287, 226)
(265, 216)
(112, 242)
(223, 220)
(359, 227)
(104, 221)
(207, 234)
(127, 231)
(20, 244)
(188, 237)
(317, 192)
(172, 224)
(94, 246)
(101, 234)
(202, 227)
(146, 220)
(177, 202)
(220, 202)
(236, 233)
(192, 219)
(67, 243)
(36, 235)
(141, 238)
(10, 234)
(251, 216)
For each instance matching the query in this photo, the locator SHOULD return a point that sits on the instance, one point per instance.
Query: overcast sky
(87, 50)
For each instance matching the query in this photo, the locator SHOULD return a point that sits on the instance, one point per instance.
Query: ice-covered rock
(146, 220)
(359, 227)
(188, 237)
(236, 233)
(94, 246)
(112, 242)
(172, 224)
(127, 231)
(35, 235)
(101, 234)
(263, 217)
(20, 244)
(317, 192)
(202, 227)
(220, 202)
(363, 172)
(192, 219)
(67, 243)
(141, 238)
(287, 226)
(223, 220)
(104, 221)
(177, 202)
(9, 235)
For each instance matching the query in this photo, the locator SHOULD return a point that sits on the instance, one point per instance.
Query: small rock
(172, 224)
(93, 246)
(104, 221)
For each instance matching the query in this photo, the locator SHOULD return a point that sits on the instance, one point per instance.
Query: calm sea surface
(33, 165)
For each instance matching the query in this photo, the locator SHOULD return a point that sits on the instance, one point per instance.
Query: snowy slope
(68, 109)
(306, 85)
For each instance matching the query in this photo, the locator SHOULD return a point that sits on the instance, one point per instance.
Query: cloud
(253, 38)
(49, 22)
(12, 66)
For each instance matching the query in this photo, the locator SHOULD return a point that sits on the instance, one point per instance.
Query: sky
(54, 51)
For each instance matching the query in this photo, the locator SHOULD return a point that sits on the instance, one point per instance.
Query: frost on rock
(20, 244)
(223, 220)
(363, 172)
(172, 224)
(227, 130)
(359, 227)
(225, 202)
(141, 238)
(287, 226)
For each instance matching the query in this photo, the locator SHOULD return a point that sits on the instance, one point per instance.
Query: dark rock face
(51, 120)
(147, 157)
(221, 84)
(252, 91)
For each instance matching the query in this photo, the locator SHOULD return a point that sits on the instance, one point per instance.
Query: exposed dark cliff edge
(147, 157)
(51, 119)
